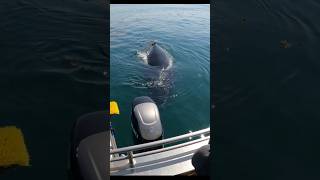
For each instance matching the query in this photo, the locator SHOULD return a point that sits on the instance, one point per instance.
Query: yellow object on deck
(114, 109)
(13, 150)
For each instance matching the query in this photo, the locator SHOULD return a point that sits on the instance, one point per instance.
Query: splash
(143, 55)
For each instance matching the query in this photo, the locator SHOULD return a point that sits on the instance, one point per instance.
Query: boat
(154, 155)
(151, 155)
(88, 151)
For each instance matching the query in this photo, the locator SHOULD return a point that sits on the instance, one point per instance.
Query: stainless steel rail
(204, 134)
(160, 142)
(119, 158)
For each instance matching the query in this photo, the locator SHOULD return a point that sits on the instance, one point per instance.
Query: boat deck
(172, 160)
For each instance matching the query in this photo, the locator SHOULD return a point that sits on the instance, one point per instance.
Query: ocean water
(52, 70)
(266, 89)
(182, 91)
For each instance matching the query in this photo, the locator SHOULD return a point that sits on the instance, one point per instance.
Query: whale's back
(157, 57)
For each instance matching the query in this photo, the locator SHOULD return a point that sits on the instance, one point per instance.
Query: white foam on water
(143, 55)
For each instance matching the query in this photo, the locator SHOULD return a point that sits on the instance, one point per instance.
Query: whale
(157, 56)
(158, 72)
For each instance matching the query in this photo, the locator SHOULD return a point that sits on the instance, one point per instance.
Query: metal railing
(204, 133)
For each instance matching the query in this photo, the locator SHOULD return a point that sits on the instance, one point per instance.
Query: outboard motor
(145, 120)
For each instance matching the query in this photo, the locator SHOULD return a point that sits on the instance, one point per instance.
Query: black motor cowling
(88, 147)
(145, 120)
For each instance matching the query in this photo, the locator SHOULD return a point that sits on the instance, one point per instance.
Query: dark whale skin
(157, 57)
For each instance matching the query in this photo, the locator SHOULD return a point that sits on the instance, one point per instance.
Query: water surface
(267, 89)
(182, 92)
(52, 70)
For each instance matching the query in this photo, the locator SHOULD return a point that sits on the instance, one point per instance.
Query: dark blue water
(267, 89)
(182, 91)
(52, 70)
